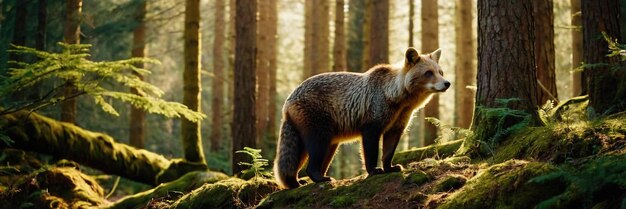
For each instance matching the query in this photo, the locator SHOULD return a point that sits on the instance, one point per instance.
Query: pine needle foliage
(73, 66)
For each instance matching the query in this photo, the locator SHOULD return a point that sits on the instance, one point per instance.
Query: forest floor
(570, 162)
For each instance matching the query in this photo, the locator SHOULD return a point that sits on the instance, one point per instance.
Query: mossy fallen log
(442, 150)
(184, 184)
(54, 187)
(37, 133)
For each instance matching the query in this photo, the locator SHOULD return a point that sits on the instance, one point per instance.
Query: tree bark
(137, 121)
(71, 36)
(506, 69)
(379, 33)
(465, 69)
(544, 50)
(577, 48)
(42, 19)
(367, 34)
(218, 75)
(33, 132)
(317, 51)
(606, 87)
(263, 68)
(355, 35)
(191, 133)
(272, 41)
(430, 43)
(244, 121)
(339, 49)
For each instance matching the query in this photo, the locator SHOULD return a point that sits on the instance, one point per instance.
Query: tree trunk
(272, 41)
(506, 69)
(544, 51)
(33, 132)
(42, 18)
(263, 68)
(415, 133)
(244, 126)
(355, 35)
(367, 34)
(317, 46)
(137, 121)
(191, 134)
(577, 48)
(339, 49)
(606, 87)
(71, 36)
(218, 75)
(430, 43)
(379, 33)
(465, 69)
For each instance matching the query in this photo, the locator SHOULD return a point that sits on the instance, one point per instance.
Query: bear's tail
(288, 155)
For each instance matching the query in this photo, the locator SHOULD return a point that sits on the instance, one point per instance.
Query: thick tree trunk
(606, 87)
(33, 132)
(577, 48)
(317, 41)
(244, 127)
(71, 36)
(379, 33)
(506, 69)
(544, 50)
(465, 69)
(263, 68)
(137, 121)
(191, 134)
(218, 76)
(430, 43)
(339, 49)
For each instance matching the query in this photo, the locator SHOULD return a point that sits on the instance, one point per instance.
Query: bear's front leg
(390, 142)
(370, 142)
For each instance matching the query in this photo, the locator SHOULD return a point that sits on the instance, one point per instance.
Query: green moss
(449, 183)
(229, 193)
(417, 178)
(505, 185)
(184, 184)
(442, 150)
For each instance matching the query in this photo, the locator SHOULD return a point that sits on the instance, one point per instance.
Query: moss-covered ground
(573, 160)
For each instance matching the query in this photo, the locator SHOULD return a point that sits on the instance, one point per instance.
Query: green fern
(71, 65)
(257, 166)
(503, 115)
(451, 132)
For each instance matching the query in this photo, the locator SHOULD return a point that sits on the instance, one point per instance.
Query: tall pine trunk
(506, 70)
(430, 43)
(465, 69)
(71, 36)
(577, 48)
(379, 33)
(317, 42)
(272, 50)
(218, 75)
(191, 134)
(606, 87)
(137, 121)
(244, 126)
(544, 50)
(339, 48)
(263, 68)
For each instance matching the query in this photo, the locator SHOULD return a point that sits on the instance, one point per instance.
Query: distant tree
(272, 40)
(577, 48)
(367, 34)
(339, 48)
(137, 121)
(430, 43)
(506, 71)
(218, 75)
(244, 121)
(415, 132)
(71, 36)
(606, 86)
(317, 41)
(355, 35)
(465, 69)
(191, 132)
(379, 32)
(42, 18)
(263, 69)
(544, 50)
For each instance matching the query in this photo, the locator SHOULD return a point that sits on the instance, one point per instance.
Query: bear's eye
(428, 73)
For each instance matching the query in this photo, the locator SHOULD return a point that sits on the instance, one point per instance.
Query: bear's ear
(435, 55)
(412, 57)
